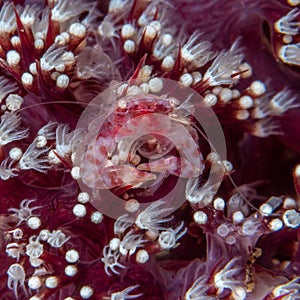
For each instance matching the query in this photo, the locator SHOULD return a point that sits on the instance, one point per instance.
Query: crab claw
(117, 176)
(129, 175)
(174, 165)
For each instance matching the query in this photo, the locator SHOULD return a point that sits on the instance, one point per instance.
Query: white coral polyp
(283, 101)
(291, 218)
(16, 276)
(224, 66)
(122, 223)
(24, 212)
(202, 196)
(7, 170)
(198, 290)
(130, 243)
(288, 24)
(65, 140)
(14, 250)
(168, 238)
(57, 238)
(290, 289)
(230, 277)
(9, 131)
(34, 249)
(197, 52)
(66, 9)
(251, 226)
(53, 58)
(48, 131)
(124, 294)
(110, 260)
(290, 54)
(153, 216)
(34, 158)
(7, 18)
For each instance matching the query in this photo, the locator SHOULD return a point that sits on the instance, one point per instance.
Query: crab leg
(174, 165)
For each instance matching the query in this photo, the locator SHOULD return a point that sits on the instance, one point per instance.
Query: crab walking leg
(94, 161)
(123, 175)
(174, 165)
(97, 172)
(190, 161)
